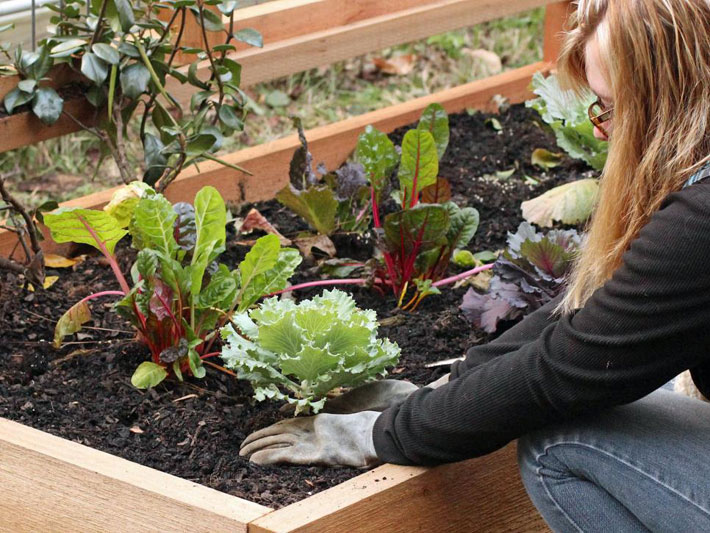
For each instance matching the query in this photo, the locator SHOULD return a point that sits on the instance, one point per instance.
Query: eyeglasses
(598, 115)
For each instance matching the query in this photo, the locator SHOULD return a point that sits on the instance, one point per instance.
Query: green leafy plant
(180, 294)
(300, 352)
(567, 115)
(527, 275)
(331, 202)
(125, 53)
(418, 240)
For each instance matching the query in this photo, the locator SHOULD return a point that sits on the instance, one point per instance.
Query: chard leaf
(152, 225)
(86, 226)
(261, 258)
(420, 165)
(317, 205)
(273, 280)
(435, 120)
(148, 374)
(425, 226)
(147, 263)
(437, 193)
(210, 221)
(71, 322)
(124, 201)
(376, 153)
(221, 290)
(196, 366)
(463, 225)
(161, 302)
(185, 231)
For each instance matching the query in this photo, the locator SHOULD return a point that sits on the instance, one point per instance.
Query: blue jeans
(644, 466)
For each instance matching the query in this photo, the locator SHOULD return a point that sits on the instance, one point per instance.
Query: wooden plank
(328, 46)
(52, 484)
(285, 19)
(483, 495)
(25, 128)
(556, 16)
(331, 144)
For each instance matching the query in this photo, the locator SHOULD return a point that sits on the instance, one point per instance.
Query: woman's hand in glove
(324, 439)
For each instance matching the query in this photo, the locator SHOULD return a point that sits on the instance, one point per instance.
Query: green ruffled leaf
(463, 225)
(427, 224)
(570, 203)
(272, 280)
(376, 153)
(152, 225)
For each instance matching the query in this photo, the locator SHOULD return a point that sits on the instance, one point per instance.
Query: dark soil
(82, 392)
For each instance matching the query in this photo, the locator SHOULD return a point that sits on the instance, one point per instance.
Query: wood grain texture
(482, 495)
(52, 484)
(331, 144)
(556, 16)
(25, 128)
(328, 46)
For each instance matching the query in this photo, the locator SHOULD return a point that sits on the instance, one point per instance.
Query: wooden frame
(337, 42)
(49, 483)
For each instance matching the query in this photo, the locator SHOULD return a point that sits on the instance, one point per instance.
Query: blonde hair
(656, 55)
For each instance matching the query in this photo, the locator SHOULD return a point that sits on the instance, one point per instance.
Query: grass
(64, 168)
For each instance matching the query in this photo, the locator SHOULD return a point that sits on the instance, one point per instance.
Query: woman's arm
(644, 326)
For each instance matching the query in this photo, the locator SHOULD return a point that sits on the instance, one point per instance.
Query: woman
(598, 451)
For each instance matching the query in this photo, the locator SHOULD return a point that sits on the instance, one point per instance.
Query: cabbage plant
(300, 352)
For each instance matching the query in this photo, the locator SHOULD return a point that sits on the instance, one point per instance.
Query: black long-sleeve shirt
(644, 326)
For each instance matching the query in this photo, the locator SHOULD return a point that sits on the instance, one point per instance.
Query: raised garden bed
(192, 430)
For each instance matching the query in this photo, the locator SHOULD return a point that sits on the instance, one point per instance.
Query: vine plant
(126, 53)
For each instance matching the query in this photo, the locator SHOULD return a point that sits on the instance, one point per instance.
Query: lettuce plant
(567, 116)
(300, 352)
(179, 294)
(527, 275)
(417, 240)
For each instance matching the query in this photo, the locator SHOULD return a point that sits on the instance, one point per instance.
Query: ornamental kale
(567, 116)
(527, 275)
(334, 201)
(180, 294)
(300, 352)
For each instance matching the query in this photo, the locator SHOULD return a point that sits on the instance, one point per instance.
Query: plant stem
(99, 24)
(99, 295)
(463, 275)
(111, 259)
(321, 283)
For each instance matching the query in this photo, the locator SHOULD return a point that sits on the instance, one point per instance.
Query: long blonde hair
(656, 54)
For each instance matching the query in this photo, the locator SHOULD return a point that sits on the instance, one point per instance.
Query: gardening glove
(373, 396)
(324, 439)
(376, 396)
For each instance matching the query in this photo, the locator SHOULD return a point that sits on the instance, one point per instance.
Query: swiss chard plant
(300, 352)
(418, 239)
(329, 202)
(126, 53)
(178, 294)
(529, 273)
